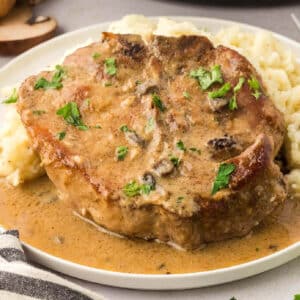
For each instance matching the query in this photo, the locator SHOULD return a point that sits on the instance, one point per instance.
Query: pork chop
(169, 138)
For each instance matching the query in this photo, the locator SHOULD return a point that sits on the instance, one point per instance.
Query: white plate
(50, 53)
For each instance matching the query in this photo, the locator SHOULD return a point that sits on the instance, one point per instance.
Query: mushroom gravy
(49, 224)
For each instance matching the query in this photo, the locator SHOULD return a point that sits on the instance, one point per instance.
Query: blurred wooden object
(6, 6)
(19, 30)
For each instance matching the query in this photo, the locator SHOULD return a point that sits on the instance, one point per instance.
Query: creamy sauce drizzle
(50, 225)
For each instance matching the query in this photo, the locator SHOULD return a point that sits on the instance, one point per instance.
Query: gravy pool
(49, 224)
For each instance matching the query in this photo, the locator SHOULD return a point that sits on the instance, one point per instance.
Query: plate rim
(159, 281)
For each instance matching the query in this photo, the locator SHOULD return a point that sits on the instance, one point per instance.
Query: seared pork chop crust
(173, 136)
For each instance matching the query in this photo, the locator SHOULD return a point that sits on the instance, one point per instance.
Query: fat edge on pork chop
(169, 138)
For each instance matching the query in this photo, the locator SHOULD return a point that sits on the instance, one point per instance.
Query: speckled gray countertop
(279, 284)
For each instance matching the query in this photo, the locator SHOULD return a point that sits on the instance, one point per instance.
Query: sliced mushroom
(221, 143)
(149, 179)
(223, 147)
(132, 136)
(146, 87)
(163, 167)
(218, 103)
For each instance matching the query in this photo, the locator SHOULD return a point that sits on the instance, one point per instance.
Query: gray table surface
(279, 284)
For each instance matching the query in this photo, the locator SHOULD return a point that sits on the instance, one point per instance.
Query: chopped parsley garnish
(106, 84)
(150, 125)
(179, 199)
(133, 189)
(96, 55)
(207, 78)
(180, 145)
(110, 66)
(61, 135)
(239, 85)
(124, 128)
(71, 114)
(186, 95)
(146, 189)
(233, 103)
(13, 98)
(55, 82)
(121, 152)
(175, 160)
(221, 92)
(59, 74)
(255, 87)
(138, 82)
(87, 102)
(194, 149)
(97, 127)
(223, 177)
(38, 112)
(158, 103)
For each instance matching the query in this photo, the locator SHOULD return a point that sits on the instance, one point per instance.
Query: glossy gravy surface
(49, 224)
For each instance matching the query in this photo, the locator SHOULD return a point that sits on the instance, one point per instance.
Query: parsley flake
(221, 92)
(38, 112)
(146, 188)
(133, 189)
(233, 103)
(255, 87)
(186, 95)
(121, 152)
(13, 98)
(180, 145)
(106, 84)
(150, 125)
(71, 114)
(158, 103)
(55, 83)
(223, 177)
(194, 149)
(239, 85)
(61, 135)
(124, 128)
(179, 199)
(87, 102)
(207, 78)
(110, 66)
(175, 160)
(96, 55)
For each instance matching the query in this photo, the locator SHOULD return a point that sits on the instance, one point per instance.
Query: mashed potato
(276, 64)
(18, 162)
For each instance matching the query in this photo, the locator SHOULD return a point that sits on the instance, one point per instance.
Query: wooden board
(17, 36)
